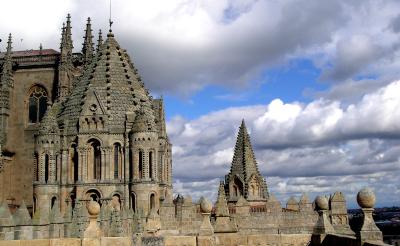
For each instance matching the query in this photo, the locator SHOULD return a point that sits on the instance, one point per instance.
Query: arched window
(237, 187)
(53, 201)
(46, 168)
(37, 104)
(140, 164)
(130, 164)
(152, 201)
(75, 164)
(151, 164)
(133, 202)
(96, 158)
(117, 159)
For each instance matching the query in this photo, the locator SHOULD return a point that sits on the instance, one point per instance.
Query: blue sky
(289, 82)
(315, 80)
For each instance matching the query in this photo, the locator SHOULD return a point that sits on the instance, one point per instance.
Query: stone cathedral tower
(94, 133)
(244, 179)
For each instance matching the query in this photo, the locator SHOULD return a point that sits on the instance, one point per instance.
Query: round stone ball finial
(93, 208)
(366, 198)
(321, 203)
(205, 205)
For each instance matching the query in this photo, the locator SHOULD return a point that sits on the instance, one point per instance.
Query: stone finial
(366, 198)
(369, 231)
(21, 216)
(93, 230)
(206, 228)
(323, 225)
(321, 203)
(205, 205)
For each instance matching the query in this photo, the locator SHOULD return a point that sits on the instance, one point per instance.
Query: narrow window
(117, 150)
(130, 165)
(46, 168)
(152, 201)
(151, 165)
(133, 202)
(37, 104)
(53, 201)
(140, 164)
(56, 172)
(96, 152)
(75, 164)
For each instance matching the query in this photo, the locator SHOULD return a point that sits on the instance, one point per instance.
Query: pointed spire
(244, 161)
(68, 33)
(21, 216)
(62, 36)
(6, 72)
(99, 41)
(221, 205)
(55, 216)
(7, 58)
(87, 49)
(5, 215)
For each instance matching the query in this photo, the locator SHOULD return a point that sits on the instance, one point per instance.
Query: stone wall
(216, 240)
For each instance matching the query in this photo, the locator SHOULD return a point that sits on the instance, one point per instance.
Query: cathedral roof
(110, 86)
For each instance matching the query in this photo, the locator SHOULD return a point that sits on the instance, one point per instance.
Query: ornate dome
(110, 86)
(144, 121)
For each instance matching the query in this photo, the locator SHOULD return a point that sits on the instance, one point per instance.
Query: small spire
(221, 205)
(68, 39)
(109, 20)
(99, 41)
(62, 36)
(9, 42)
(6, 72)
(87, 49)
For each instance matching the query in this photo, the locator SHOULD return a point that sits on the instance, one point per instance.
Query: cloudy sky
(316, 82)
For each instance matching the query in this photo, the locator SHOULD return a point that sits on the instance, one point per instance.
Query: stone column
(52, 168)
(323, 225)
(369, 231)
(135, 155)
(103, 163)
(81, 163)
(64, 172)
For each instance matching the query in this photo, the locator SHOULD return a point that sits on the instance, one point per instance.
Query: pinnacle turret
(244, 178)
(6, 72)
(99, 41)
(87, 49)
(221, 205)
(68, 33)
